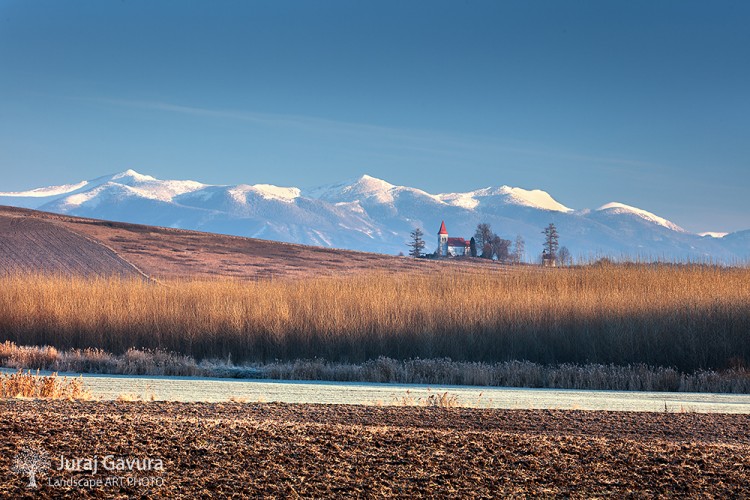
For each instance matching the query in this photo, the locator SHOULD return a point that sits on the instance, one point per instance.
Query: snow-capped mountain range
(373, 215)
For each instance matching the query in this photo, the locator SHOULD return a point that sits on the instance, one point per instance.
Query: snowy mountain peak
(535, 198)
(364, 187)
(504, 195)
(369, 178)
(128, 183)
(132, 175)
(370, 184)
(621, 208)
(367, 213)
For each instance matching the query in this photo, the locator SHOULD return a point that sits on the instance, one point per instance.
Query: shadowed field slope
(30, 244)
(175, 253)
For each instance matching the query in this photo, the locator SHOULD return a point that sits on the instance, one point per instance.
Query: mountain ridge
(371, 214)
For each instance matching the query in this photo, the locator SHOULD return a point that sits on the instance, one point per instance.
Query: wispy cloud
(416, 140)
(268, 119)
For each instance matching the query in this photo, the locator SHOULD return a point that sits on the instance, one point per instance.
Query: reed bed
(639, 377)
(93, 360)
(441, 371)
(28, 385)
(689, 317)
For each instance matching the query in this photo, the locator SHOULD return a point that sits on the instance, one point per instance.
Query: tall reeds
(440, 371)
(688, 317)
(28, 385)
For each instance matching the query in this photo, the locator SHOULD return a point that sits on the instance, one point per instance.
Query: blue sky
(646, 103)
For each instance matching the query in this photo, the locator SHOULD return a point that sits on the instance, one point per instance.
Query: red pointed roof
(442, 228)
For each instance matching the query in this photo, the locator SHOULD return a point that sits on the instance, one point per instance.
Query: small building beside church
(451, 247)
(548, 260)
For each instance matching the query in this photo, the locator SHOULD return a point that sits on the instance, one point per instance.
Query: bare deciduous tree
(487, 251)
(31, 460)
(500, 248)
(519, 249)
(483, 235)
(564, 258)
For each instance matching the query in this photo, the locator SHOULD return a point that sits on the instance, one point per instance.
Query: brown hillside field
(164, 253)
(47, 246)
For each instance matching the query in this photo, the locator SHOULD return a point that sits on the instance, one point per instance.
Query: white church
(451, 247)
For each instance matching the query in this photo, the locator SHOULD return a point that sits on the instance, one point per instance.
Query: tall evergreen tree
(416, 244)
(473, 247)
(551, 241)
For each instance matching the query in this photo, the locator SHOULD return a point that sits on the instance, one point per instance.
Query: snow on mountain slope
(152, 188)
(504, 195)
(367, 190)
(286, 194)
(128, 183)
(131, 176)
(462, 200)
(262, 210)
(241, 192)
(738, 243)
(95, 196)
(45, 191)
(374, 215)
(365, 187)
(34, 198)
(621, 208)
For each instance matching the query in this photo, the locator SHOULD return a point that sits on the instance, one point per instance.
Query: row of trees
(493, 246)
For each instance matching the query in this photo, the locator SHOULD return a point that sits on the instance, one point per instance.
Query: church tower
(442, 249)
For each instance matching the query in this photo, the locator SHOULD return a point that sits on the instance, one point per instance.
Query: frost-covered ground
(194, 389)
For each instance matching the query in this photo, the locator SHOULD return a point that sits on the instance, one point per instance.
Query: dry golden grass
(28, 385)
(95, 360)
(437, 400)
(690, 317)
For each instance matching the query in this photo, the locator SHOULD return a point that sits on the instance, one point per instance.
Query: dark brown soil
(278, 450)
(44, 246)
